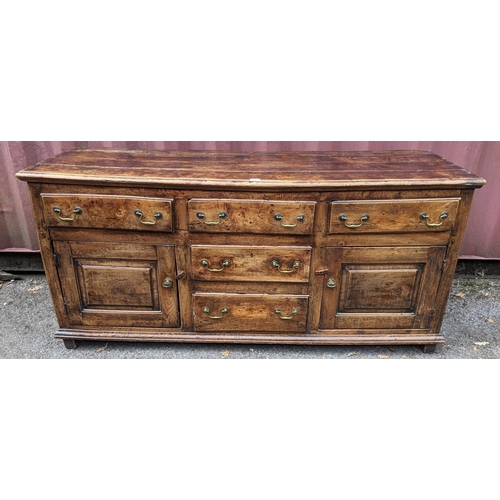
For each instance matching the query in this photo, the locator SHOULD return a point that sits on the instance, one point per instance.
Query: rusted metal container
(482, 236)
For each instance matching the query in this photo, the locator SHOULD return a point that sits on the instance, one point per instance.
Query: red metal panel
(482, 236)
(17, 227)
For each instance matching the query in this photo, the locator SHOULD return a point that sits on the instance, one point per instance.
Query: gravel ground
(471, 328)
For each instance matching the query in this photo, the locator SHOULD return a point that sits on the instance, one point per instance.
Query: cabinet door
(118, 284)
(381, 287)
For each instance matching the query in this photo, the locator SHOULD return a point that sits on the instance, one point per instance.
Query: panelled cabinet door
(380, 288)
(118, 284)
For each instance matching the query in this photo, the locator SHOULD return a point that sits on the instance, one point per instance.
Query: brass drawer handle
(76, 211)
(224, 263)
(343, 218)
(157, 215)
(294, 313)
(224, 310)
(300, 218)
(276, 265)
(424, 216)
(221, 216)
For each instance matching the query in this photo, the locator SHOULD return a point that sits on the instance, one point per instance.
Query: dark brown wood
(451, 259)
(429, 348)
(108, 212)
(263, 273)
(381, 287)
(347, 337)
(251, 263)
(70, 343)
(255, 216)
(332, 170)
(389, 216)
(247, 312)
(101, 287)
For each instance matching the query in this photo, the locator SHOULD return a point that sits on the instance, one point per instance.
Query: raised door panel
(113, 284)
(381, 287)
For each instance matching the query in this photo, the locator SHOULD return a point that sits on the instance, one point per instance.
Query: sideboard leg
(428, 348)
(70, 343)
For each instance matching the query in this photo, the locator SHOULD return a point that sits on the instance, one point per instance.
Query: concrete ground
(471, 328)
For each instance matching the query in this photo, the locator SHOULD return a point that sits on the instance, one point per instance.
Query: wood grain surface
(387, 216)
(251, 216)
(250, 312)
(108, 212)
(312, 248)
(251, 263)
(252, 170)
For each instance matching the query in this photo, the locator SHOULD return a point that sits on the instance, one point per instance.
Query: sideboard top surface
(256, 170)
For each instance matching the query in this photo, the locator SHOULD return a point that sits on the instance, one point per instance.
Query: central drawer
(249, 312)
(251, 216)
(243, 263)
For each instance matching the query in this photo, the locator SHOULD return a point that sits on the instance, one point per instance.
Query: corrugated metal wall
(482, 237)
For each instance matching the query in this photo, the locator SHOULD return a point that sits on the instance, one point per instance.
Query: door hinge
(55, 258)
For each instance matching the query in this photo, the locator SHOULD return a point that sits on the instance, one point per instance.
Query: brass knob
(331, 283)
(168, 283)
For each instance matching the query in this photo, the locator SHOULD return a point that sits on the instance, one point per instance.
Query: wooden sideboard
(302, 248)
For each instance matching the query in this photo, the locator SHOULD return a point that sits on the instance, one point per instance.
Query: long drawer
(249, 312)
(242, 263)
(108, 212)
(393, 215)
(251, 216)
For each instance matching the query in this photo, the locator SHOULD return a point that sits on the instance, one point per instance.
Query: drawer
(387, 216)
(251, 216)
(249, 312)
(108, 212)
(240, 263)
